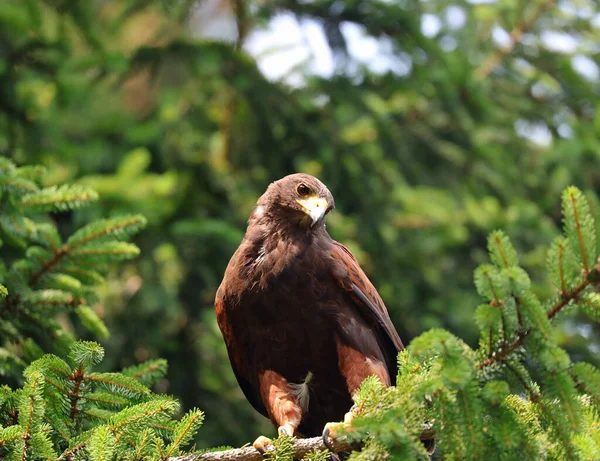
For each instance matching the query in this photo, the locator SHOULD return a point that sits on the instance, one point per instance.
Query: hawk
(302, 323)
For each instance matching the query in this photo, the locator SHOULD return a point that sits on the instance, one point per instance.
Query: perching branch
(516, 35)
(301, 448)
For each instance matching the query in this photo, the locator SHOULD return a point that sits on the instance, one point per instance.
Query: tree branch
(516, 35)
(564, 300)
(77, 376)
(301, 448)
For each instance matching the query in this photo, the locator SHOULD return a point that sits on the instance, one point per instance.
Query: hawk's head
(298, 198)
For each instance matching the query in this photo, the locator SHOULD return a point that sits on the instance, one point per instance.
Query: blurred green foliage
(480, 126)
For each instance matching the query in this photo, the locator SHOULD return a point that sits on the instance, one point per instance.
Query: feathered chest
(283, 275)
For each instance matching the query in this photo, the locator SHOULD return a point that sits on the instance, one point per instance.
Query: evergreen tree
(517, 396)
(65, 409)
(46, 275)
(486, 111)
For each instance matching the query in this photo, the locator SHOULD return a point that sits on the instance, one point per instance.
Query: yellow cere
(314, 206)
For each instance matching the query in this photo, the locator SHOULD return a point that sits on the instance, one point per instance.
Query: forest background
(432, 122)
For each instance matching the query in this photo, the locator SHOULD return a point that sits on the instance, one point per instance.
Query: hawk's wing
(236, 358)
(369, 304)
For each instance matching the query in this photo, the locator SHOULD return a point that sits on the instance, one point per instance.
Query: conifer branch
(516, 35)
(565, 299)
(573, 200)
(533, 394)
(67, 455)
(77, 376)
(561, 268)
(48, 265)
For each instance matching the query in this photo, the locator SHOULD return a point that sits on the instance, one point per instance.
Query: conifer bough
(516, 396)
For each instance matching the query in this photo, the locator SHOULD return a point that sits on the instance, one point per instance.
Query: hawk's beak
(314, 206)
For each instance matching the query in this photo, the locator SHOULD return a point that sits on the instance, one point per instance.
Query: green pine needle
(121, 228)
(62, 198)
(579, 227)
(85, 354)
(148, 372)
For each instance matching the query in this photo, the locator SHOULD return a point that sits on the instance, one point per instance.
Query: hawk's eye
(303, 190)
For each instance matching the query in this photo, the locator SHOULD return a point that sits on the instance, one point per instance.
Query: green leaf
(3, 291)
(580, 228)
(66, 197)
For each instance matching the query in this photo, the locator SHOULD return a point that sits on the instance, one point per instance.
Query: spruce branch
(67, 455)
(573, 195)
(561, 267)
(565, 299)
(77, 377)
(516, 35)
(48, 265)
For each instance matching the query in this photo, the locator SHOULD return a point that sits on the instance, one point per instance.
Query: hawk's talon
(331, 429)
(261, 444)
(326, 441)
(285, 431)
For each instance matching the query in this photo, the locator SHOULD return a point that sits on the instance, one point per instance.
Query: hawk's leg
(282, 404)
(355, 367)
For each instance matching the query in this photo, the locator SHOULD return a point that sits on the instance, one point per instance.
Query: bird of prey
(302, 323)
